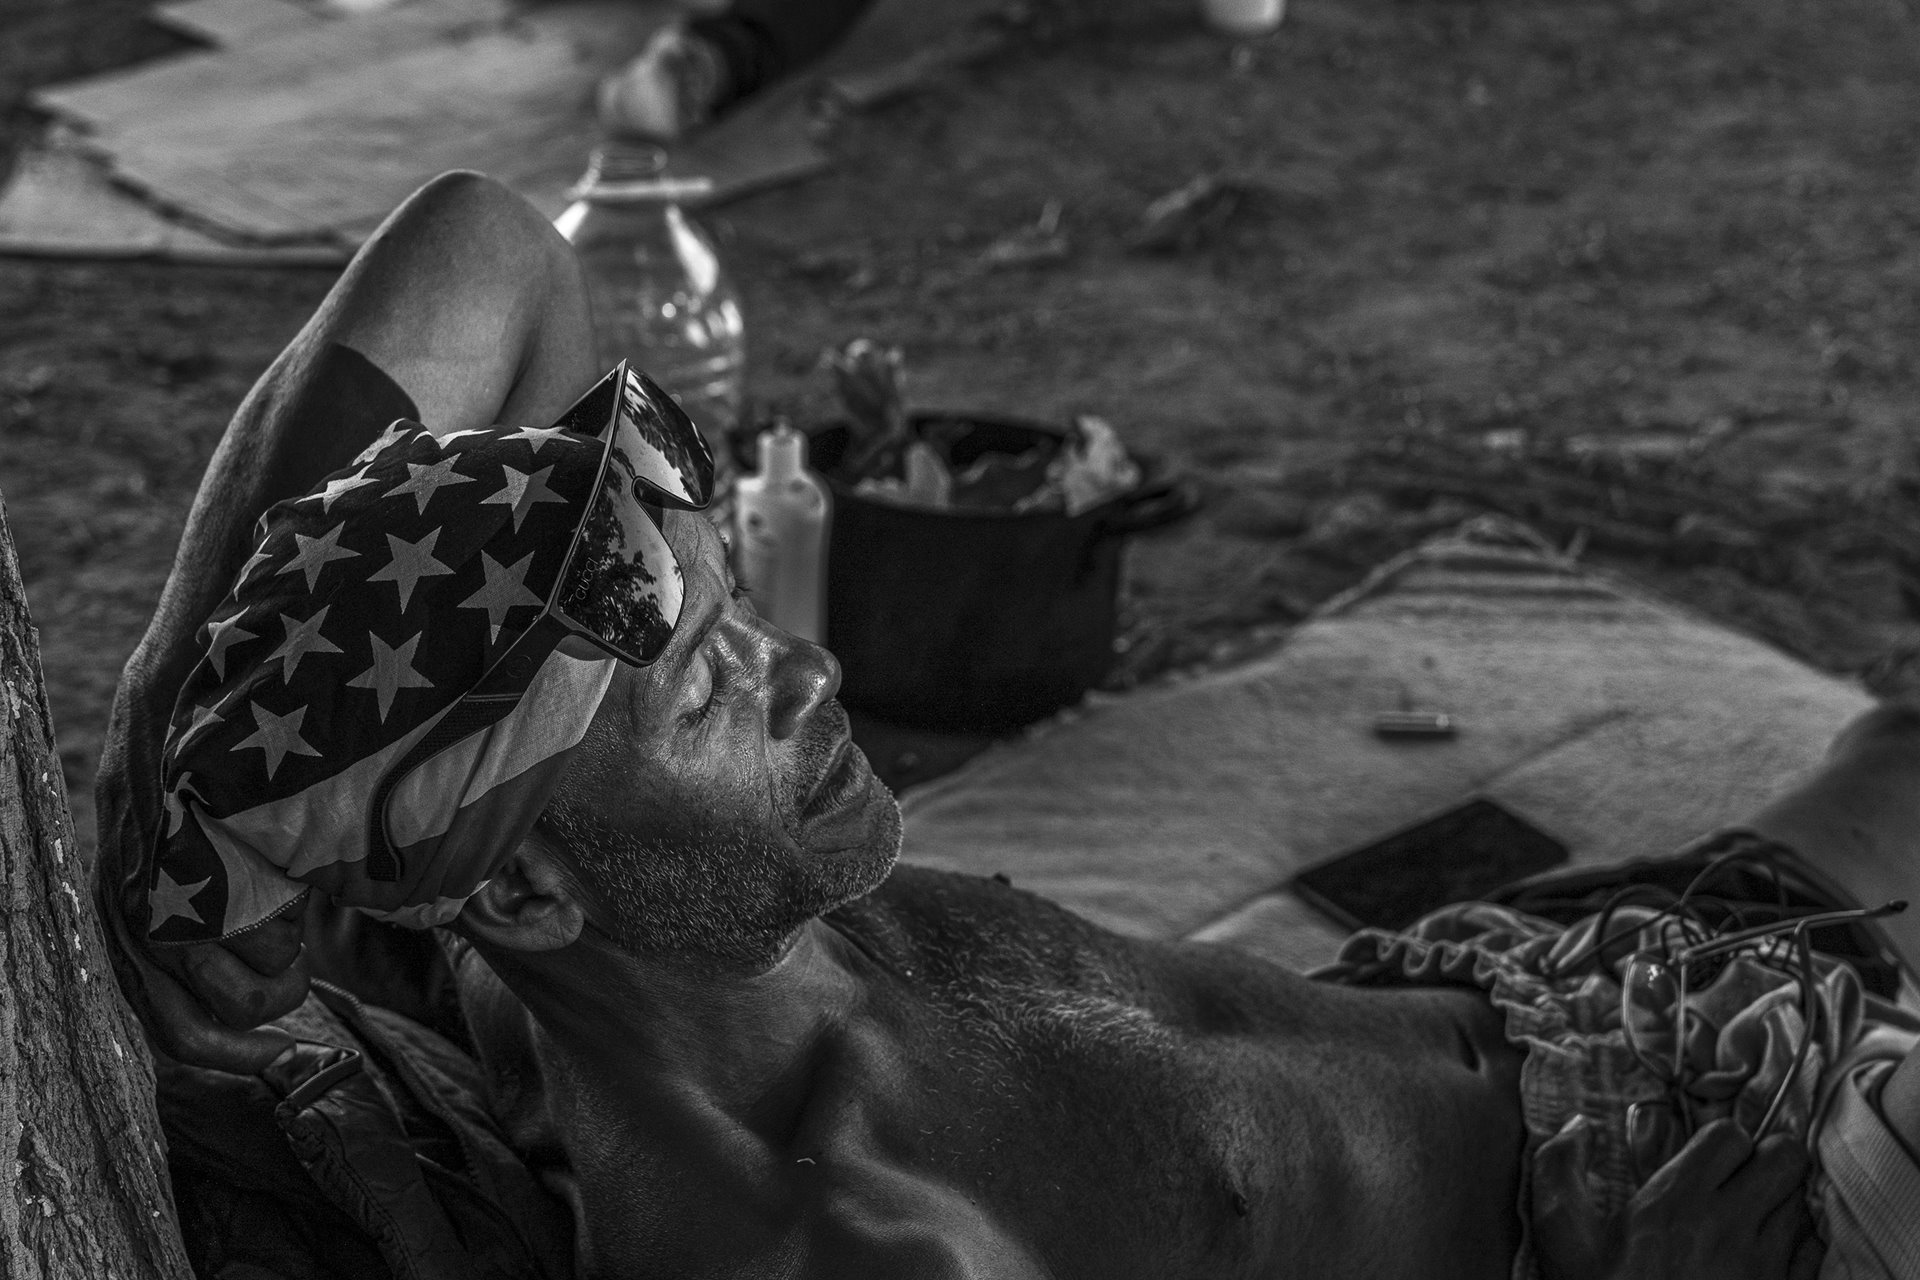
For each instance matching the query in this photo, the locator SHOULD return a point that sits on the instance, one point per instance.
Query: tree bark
(84, 1192)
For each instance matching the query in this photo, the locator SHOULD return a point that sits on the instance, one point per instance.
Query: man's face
(717, 802)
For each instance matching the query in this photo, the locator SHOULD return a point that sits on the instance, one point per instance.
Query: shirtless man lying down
(692, 967)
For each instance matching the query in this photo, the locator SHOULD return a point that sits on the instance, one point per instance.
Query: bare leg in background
(1857, 819)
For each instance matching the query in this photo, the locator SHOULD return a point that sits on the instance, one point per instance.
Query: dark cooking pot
(976, 620)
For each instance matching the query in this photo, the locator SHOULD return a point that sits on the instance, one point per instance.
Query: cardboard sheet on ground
(62, 204)
(1623, 726)
(299, 130)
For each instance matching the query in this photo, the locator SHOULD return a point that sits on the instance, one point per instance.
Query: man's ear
(531, 904)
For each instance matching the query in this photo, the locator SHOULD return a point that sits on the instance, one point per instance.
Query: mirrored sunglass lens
(1649, 997)
(654, 441)
(624, 584)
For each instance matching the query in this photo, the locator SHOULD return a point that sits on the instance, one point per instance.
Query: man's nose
(804, 676)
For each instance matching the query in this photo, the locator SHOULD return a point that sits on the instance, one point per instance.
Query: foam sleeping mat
(1621, 725)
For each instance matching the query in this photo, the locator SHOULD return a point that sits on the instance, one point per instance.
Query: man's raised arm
(464, 309)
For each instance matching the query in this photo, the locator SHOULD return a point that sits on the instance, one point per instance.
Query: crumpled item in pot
(928, 482)
(871, 380)
(1091, 468)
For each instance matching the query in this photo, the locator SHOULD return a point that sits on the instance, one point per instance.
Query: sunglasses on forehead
(621, 589)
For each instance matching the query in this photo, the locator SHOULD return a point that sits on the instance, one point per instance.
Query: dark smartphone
(1463, 854)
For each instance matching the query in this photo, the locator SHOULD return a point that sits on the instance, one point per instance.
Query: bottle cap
(637, 175)
(783, 452)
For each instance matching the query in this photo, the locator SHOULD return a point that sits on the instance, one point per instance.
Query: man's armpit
(345, 399)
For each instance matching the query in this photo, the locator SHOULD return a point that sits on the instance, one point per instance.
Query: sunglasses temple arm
(1809, 1010)
(1779, 1102)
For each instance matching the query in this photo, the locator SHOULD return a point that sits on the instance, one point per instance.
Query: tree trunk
(84, 1193)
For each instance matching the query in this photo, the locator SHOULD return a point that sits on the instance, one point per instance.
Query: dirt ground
(1642, 272)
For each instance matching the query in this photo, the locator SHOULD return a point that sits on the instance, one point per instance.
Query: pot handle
(1156, 503)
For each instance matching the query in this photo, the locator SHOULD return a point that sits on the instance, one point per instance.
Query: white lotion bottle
(781, 513)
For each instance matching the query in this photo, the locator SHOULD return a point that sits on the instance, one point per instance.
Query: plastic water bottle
(781, 513)
(659, 295)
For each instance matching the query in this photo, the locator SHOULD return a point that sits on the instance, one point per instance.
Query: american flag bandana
(334, 691)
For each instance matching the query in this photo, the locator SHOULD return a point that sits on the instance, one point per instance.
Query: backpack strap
(371, 1126)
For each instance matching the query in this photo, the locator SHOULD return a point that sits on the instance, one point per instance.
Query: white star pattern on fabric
(276, 712)
(203, 717)
(392, 435)
(539, 436)
(316, 552)
(424, 479)
(411, 562)
(278, 736)
(522, 492)
(392, 671)
(335, 488)
(222, 636)
(302, 639)
(176, 803)
(451, 436)
(506, 589)
(254, 561)
(169, 898)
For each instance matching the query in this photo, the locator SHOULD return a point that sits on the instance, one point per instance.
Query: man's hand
(207, 1004)
(1720, 1208)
